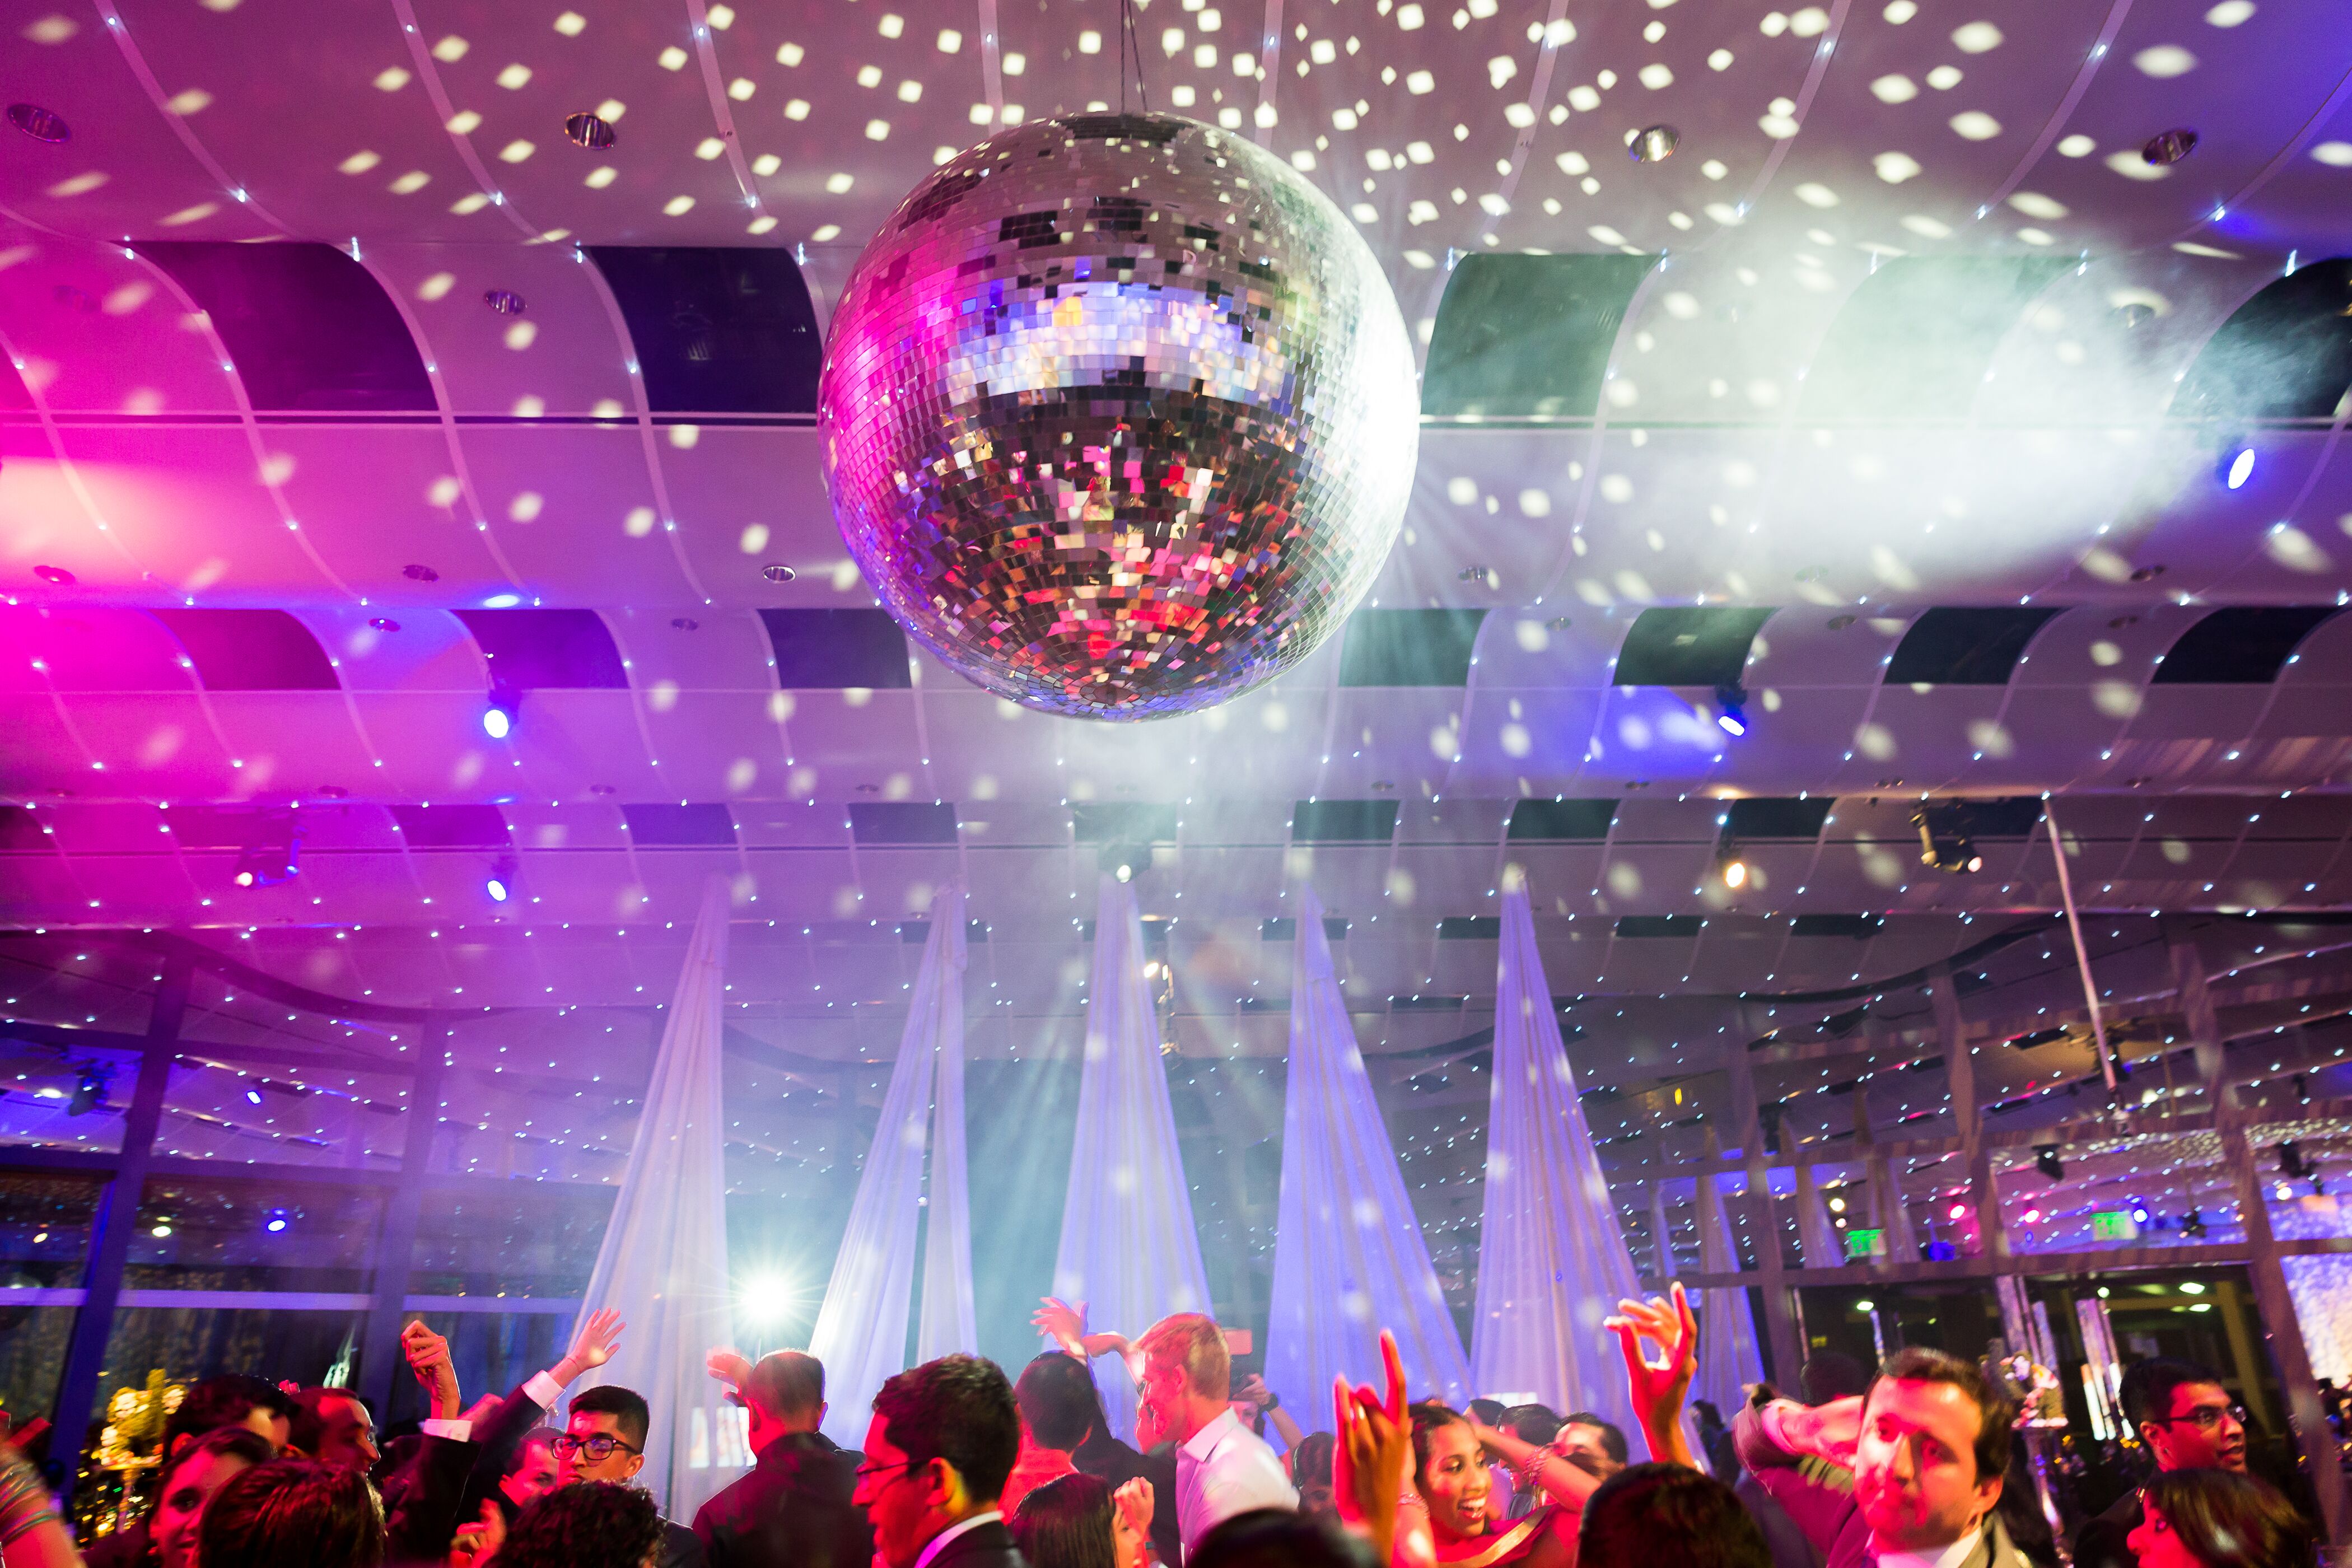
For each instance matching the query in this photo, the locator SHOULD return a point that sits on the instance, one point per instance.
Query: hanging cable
(1130, 41)
(2082, 953)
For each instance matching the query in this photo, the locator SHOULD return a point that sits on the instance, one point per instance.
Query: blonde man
(1186, 1378)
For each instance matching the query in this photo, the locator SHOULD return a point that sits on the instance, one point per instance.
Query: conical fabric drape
(1552, 1261)
(1348, 1257)
(1129, 1249)
(1662, 1234)
(664, 1262)
(948, 1323)
(1815, 1234)
(1726, 1327)
(861, 1330)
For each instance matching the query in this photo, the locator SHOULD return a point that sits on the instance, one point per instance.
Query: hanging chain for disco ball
(1120, 413)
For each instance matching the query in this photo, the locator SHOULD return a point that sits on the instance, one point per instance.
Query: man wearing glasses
(605, 1441)
(2189, 1421)
(944, 1439)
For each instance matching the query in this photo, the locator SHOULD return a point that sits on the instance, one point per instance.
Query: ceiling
(1919, 406)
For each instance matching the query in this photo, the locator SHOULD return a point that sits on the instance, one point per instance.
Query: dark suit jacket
(421, 1500)
(987, 1546)
(1105, 1457)
(792, 1512)
(2101, 1541)
(680, 1547)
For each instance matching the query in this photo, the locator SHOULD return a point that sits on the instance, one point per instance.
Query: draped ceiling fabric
(1726, 1327)
(663, 1265)
(1552, 1261)
(1815, 1234)
(1348, 1257)
(861, 1330)
(1129, 1249)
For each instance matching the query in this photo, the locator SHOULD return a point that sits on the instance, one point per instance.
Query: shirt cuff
(461, 1431)
(544, 1391)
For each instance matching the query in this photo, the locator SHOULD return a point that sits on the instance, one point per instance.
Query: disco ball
(1119, 416)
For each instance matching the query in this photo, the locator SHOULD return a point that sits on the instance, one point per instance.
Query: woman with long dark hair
(2218, 1519)
(1077, 1522)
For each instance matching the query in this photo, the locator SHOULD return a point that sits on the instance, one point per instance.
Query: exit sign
(1866, 1243)
(2113, 1225)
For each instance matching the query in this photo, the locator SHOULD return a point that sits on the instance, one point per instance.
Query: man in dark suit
(605, 1441)
(944, 1437)
(793, 1510)
(2189, 1421)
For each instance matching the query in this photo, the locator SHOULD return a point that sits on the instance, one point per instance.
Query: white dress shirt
(1225, 1469)
(939, 1543)
(1952, 1556)
(543, 1390)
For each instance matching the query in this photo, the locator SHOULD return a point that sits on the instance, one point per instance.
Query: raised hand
(477, 1542)
(729, 1366)
(1134, 1501)
(1063, 1325)
(1254, 1391)
(593, 1346)
(1658, 1390)
(428, 1359)
(1369, 1458)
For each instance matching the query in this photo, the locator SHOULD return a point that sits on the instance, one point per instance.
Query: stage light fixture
(1734, 867)
(1731, 708)
(266, 865)
(2139, 1212)
(1944, 840)
(2292, 1162)
(500, 883)
(498, 715)
(2239, 468)
(2193, 1224)
(1837, 1205)
(1958, 1213)
(1124, 861)
(89, 1093)
(1865, 1305)
(2031, 1217)
(253, 1096)
(277, 1221)
(2046, 1159)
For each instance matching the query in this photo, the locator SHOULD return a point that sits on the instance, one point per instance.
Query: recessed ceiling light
(778, 572)
(416, 574)
(505, 301)
(685, 623)
(57, 574)
(40, 123)
(602, 789)
(1653, 144)
(592, 132)
(1840, 623)
(2148, 573)
(384, 623)
(2120, 622)
(2169, 146)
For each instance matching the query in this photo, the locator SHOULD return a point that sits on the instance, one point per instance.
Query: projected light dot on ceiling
(41, 124)
(1119, 416)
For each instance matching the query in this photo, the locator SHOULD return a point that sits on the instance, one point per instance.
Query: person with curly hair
(2218, 1519)
(588, 1524)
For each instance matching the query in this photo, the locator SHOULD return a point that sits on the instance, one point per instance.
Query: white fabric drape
(1129, 1249)
(663, 1265)
(1815, 1234)
(1553, 1260)
(1726, 1327)
(1348, 1255)
(1662, 1234)
(861, 1330)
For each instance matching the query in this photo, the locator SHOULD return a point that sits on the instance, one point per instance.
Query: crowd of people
(964, 1467)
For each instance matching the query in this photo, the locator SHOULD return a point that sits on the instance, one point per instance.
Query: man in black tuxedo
(793, 1510)
(944, 1436)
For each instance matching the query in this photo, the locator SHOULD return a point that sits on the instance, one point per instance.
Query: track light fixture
(89, 1094)
(1733, 865)
(1124, 861)
(500, 883)
(1731, 708)
(2292, 1164)
(2046, 1161)
(2238, 466)
(1944, 840)
(276, 860)
(499, 713)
